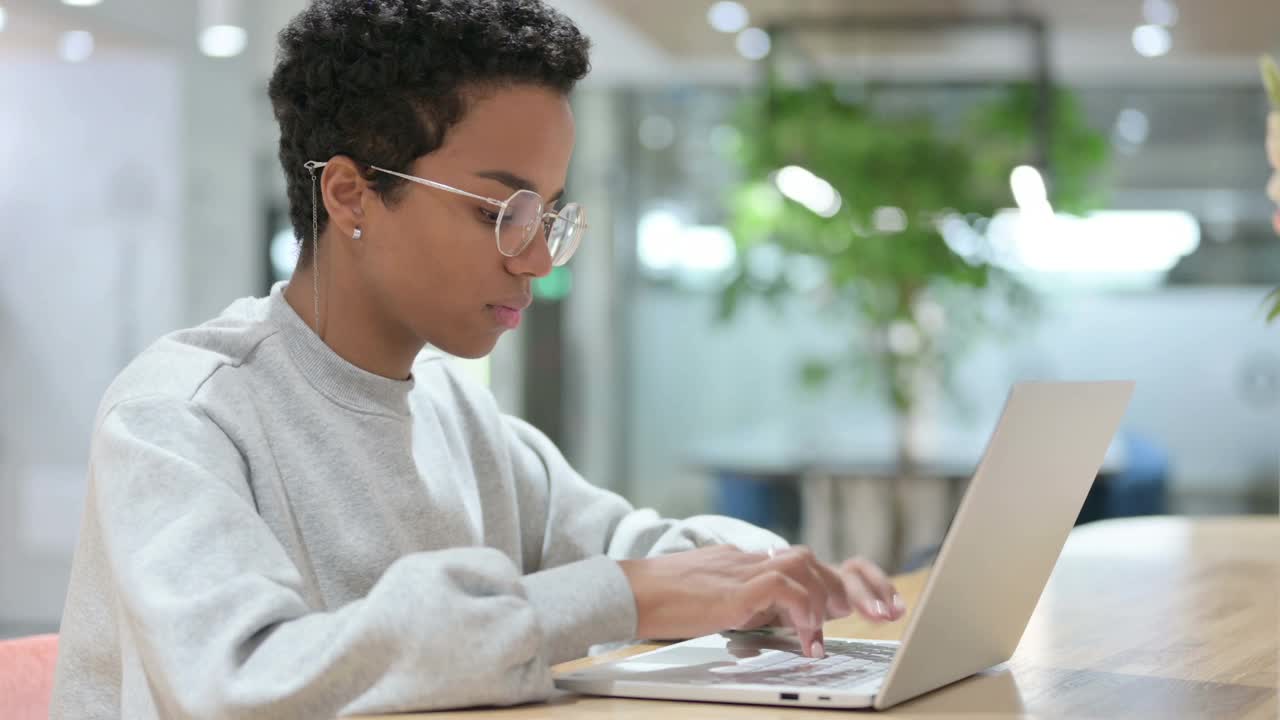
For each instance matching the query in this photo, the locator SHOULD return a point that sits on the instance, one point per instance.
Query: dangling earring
(356, 235)
(311, 166)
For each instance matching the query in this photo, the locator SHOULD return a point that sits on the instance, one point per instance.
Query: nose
(535, 259)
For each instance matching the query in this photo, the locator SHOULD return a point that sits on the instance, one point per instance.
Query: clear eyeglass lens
(565, 233)
(517, 225)
(518, 222)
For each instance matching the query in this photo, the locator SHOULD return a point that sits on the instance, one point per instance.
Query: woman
(297, 511)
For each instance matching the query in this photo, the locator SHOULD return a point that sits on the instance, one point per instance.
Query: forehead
(521, 129)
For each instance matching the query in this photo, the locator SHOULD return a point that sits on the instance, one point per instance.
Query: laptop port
(789, 696)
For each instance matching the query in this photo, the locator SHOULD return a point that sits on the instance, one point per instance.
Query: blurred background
(826, 237)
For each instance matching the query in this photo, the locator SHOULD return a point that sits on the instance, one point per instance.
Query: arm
(221, 624)
(713, 573)
(571, 519)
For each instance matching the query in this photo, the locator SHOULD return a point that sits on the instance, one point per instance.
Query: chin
(470, 350)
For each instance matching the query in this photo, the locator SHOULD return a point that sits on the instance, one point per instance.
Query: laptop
(998, 553)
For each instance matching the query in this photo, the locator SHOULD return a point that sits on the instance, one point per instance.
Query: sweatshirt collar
(333, 376)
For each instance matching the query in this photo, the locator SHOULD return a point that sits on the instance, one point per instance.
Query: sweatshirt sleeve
(218, 616)
(578, 520)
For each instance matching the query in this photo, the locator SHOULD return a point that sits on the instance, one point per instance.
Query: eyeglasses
(517, 219)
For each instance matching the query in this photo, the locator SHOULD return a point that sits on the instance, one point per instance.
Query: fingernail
(816, 650)
(898, 604)
(881, 610)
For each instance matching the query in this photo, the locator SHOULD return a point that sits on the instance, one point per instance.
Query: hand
(866, 586)
(721, 587)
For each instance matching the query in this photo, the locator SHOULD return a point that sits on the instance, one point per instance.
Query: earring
(315, 241)
(356, 235)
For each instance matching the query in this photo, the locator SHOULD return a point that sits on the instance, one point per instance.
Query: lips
(508, 313)
(507, 317)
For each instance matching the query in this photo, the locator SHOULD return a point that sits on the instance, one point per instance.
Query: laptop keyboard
(846, 665)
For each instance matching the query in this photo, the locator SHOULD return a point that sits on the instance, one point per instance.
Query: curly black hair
(382, 81)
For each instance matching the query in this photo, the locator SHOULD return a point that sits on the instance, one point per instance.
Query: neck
(352, 325)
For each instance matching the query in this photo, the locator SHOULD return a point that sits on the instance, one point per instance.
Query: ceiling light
(75, 46)
(223, 41)
(1151, 40)
(753, 43)
(222, 34)
(3, 18)
(81, 3)
(728, 16)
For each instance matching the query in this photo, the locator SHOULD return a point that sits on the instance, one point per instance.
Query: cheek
(397, 261)
(438, 260)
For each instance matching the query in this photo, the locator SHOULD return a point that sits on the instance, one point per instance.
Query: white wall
(223, 227)
(91, 241)
(136, 212)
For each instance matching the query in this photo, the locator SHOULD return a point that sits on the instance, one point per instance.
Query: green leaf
(1271, 79)
(1274, 298)
(730, 297)
(876, 156)
(815, 373)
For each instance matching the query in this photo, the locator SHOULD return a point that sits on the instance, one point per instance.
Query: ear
(343, 190)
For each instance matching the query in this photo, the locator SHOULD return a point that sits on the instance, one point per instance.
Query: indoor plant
(865, 196)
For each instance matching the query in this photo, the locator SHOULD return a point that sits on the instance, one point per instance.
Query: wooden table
(1143, 618)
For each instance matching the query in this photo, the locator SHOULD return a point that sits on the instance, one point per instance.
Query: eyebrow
(515, 182)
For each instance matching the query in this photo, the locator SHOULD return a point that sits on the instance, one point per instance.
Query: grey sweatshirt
(272, 532)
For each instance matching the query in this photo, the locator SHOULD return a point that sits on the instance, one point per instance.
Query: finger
(876, 579)
(839, 604)
(862, 598)
(762, 619)
(885, 601)
(776, 588)
(800, 564)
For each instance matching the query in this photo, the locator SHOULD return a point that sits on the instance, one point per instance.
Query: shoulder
(178, 365)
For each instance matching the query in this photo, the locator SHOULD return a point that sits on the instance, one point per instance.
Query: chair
(26, 676)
